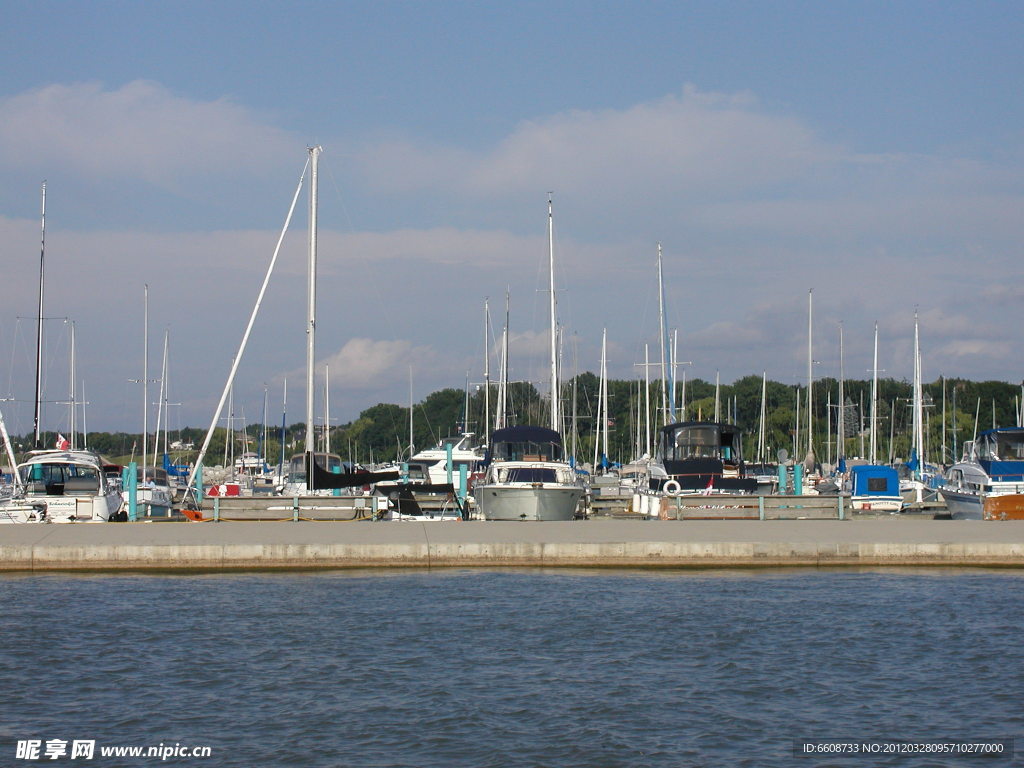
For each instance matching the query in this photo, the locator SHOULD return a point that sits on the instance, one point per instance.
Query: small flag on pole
(711, 486)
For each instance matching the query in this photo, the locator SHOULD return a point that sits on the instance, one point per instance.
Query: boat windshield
(693, 442)
(1005, 447)
(297, 466)
(53, 477)
(702, 442)
(527, 450)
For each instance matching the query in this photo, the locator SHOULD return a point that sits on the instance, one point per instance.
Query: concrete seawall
(593, 543)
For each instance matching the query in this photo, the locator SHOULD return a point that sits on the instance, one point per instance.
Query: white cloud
(140, 130)
(690, 143)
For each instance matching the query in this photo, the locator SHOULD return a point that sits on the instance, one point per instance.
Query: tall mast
(71, 391)
(761, 432)
(327, 409)
(667, 415)
(647, 401)
(555, 414)
(161, 411)
(682, 398)
(412, 448)
(841, 429)
(575, 393)
(604, 393)
(284, 433)
(145, 371)
(918, 401)
(37, 442)
(501, 410)
(874, 400)
(673, 363)
(263, 432)
(314, 157)
(487, 372)
(942, 461)
(810, 371)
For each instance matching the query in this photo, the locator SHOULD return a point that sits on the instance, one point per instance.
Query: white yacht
(62, 487)
(527, 477)
(431, 466)
(988, 482)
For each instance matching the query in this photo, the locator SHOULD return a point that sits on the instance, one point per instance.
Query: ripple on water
(499, 668)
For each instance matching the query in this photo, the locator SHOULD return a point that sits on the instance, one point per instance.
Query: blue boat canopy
(875, 480)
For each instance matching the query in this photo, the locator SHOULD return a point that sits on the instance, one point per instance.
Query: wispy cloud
(140, 130)
(690, 143)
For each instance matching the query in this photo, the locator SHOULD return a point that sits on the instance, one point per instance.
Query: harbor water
(511, 668)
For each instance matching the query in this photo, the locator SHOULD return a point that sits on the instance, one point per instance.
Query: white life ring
(672, 488)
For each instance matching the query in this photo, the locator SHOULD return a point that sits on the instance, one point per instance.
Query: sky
(870, 153)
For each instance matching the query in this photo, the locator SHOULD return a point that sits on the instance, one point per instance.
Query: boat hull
(971, 506)
(877, 503)
(507, 502)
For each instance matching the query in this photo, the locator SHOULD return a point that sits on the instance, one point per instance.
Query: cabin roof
(520, 434)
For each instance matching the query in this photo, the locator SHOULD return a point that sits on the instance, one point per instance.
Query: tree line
(381, 433)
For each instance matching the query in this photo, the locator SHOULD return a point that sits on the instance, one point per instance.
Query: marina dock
(592, 543)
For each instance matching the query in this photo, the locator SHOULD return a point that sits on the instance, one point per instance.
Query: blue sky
(871, 151)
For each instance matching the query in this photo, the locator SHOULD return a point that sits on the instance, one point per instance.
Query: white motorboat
(431, 466)
(988, 482)
(62, 487)
(527, 477)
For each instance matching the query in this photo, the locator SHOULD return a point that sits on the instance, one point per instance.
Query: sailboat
(874, 487)
(324, 471)
(528, 477)
(61, 484)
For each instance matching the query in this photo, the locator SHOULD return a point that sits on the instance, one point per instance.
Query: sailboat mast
(555, 415)
(666, 414)
(841, 429)
(500, 421)
(810, 371)
(161, 402)
(314, 158)
(71, 391)
(145, 372)
(604, 393)
(918, 401)
(327, 409)
(39, 328)
(647, 400)
(412, 448)
(764, 415)
(487, 372)
(874, 400)
(284, 419)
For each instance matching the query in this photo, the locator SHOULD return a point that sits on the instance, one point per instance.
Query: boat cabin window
(51, 478)
(531, 475)
(159, 476)
(527, 451)
(417, 471)
(297, 465)
(877, 485)
(1005, 447)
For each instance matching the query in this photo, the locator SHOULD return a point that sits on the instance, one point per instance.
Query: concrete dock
(590, 543)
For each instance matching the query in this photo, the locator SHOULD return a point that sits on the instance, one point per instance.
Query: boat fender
(672, 487)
